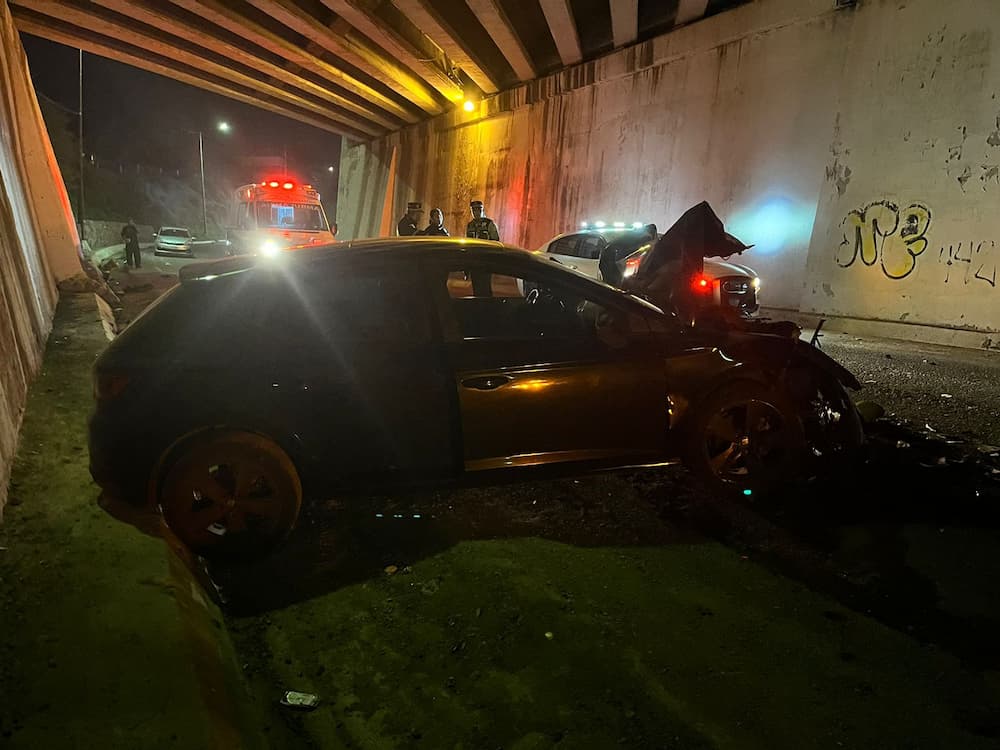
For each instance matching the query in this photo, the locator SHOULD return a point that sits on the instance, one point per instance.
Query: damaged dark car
(259, 384)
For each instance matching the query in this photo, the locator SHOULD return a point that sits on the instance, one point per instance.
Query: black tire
(230, 494)
(744, 439)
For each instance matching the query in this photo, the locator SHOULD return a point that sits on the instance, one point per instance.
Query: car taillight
(109, 385)
(632, 265)
(702, 284)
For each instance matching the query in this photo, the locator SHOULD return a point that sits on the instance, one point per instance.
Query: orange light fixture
(469, 105)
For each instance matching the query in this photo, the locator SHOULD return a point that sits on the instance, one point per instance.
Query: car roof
(393, 248)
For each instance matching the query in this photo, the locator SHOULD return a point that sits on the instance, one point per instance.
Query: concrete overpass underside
(361, 68)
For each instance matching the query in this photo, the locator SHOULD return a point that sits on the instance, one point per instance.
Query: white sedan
(730, 284)
(173, 241)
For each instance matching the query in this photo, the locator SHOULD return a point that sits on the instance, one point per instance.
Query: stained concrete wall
(38, 242)
(789, 116)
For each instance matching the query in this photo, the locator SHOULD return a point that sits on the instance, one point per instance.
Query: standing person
(436, 227)
(130, 235)
(407, 226)
(481, 227)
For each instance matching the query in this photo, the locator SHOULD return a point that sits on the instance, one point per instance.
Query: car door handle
(486, 383)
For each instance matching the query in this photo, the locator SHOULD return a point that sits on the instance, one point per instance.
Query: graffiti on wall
(882, 233)
(973, 262)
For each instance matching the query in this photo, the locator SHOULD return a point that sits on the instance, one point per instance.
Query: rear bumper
(188, 253)
(123, 475)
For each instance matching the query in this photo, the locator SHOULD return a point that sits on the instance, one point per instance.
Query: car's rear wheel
(227, 494)
(744, 439)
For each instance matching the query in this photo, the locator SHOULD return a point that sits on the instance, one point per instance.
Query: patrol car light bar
(616, 225)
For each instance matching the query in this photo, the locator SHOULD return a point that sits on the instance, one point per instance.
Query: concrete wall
(38, 242)
(789, 116)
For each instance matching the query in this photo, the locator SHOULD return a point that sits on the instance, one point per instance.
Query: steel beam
(344, 41)
(148, 13)
(117, 50)
(624, 21)
(492, 17)
(391, 30)
(222, 15)
(96, 19)
(422, 14)
(559, 16)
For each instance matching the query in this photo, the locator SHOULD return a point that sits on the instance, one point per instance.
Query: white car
(731, 284)
(173, 241)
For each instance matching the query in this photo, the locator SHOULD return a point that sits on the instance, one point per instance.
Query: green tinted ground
(536, 644)
(94, 649)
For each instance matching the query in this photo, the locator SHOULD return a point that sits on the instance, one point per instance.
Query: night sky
(131, 115)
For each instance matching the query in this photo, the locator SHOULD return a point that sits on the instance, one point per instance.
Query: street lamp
(222, 127)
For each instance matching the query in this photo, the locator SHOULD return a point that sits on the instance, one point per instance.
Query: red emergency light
(288, 185)
(272, 183)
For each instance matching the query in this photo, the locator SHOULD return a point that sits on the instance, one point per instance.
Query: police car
(729, 284)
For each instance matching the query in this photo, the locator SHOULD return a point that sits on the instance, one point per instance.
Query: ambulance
(275, 215)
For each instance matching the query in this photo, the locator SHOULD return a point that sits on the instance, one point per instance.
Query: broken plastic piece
(295, 699)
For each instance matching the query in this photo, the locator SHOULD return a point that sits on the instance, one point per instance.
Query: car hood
(718, 269)
(174, 240)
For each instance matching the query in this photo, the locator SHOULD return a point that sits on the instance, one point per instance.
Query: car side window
(347, 306)
(491, 305)
(590, 247)
(565, 246)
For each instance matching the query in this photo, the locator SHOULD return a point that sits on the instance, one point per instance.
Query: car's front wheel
(744, 439)
(227, 494)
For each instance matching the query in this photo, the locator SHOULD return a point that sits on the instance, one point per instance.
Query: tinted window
(332, 303)
(174, 233)
(565, 246)
(590, 247)
(627, 243)
(360, 306)
(487, 304)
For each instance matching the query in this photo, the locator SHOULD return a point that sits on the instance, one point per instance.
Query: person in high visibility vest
(481, 227)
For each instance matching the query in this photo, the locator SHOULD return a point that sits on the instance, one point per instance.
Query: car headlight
(269, 248)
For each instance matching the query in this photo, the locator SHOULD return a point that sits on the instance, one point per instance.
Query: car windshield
(174, 233)
(307, 217)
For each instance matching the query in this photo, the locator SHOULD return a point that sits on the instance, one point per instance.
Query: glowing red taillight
(272, 183)
(702, 284)
(288, 186)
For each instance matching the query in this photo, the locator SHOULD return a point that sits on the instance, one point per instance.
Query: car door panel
(524, 403)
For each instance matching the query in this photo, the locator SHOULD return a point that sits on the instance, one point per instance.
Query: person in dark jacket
(436, 226)
(130, 235)
(481, 227)
(407, 226)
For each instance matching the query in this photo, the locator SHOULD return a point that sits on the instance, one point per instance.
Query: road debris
(301, 701)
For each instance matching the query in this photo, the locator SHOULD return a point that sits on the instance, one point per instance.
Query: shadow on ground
(908, 536)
